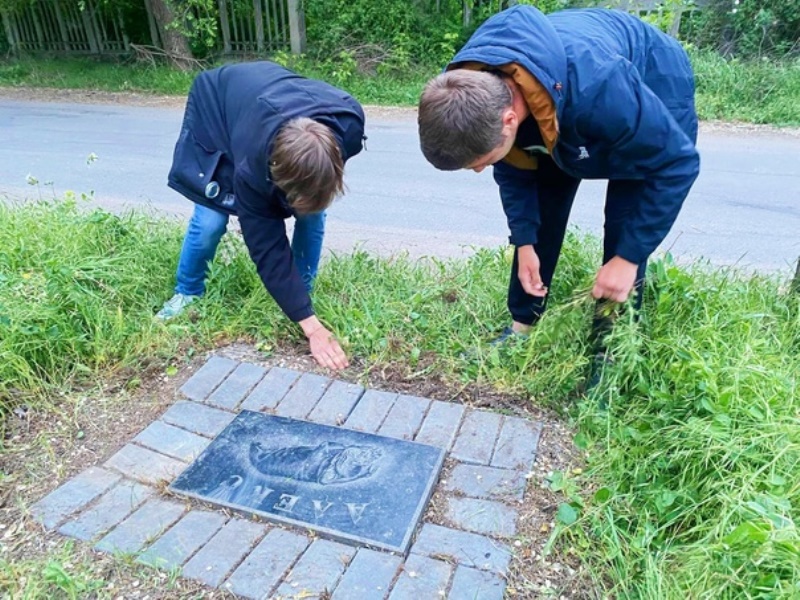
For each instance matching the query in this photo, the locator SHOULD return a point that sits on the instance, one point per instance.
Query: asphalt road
(744, 208)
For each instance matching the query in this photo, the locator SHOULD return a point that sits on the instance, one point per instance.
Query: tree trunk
(174, 43)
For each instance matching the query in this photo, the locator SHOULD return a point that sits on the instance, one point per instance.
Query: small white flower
(91, 158)
(31, 180)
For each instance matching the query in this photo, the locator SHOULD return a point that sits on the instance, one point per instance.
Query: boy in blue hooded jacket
(265, 144)
(551, 100)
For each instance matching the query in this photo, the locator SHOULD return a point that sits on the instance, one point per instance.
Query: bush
(746, 28)
(393, 33)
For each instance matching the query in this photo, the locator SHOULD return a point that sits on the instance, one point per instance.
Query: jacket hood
(522, 35)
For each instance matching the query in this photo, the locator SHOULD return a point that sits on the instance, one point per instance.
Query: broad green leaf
(566, 514)
(603, 495)
(747, 532)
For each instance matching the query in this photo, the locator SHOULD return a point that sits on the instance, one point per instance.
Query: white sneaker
(174, 306)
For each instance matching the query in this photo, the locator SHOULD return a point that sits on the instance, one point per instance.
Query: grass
(765, 91)
(395, 89)
(690, 487)
(757, 91)
(59, 577)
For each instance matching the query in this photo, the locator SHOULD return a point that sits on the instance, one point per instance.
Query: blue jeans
(206, 229)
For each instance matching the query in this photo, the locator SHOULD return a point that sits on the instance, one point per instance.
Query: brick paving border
(117, 506)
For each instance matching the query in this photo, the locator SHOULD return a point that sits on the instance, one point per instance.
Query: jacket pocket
(196, 171)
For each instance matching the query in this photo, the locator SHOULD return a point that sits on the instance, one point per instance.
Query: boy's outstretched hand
(528, 271)
(324, 347)
(615, 280)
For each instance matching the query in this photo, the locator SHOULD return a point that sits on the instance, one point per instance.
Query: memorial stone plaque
(348, 485)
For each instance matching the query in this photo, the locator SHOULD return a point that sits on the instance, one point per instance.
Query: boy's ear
(510, 121)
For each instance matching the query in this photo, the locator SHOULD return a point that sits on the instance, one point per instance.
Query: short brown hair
(460, 117)
(306, 163)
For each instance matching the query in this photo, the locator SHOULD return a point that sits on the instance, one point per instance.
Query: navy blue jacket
(624, 98)
(233, 114)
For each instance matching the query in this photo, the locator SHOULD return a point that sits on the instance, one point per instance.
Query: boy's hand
(528, 271)
(615, 280)
(324, 347)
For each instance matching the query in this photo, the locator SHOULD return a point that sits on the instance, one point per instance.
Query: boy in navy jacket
(551, 100)
(263, 143)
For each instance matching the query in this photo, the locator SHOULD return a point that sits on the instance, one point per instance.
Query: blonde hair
(307, 164)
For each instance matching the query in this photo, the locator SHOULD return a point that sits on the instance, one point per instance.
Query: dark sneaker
(598, 364)
(175, 306)
(507, 334)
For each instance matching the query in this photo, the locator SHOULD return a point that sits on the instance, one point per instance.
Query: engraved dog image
(328, 463)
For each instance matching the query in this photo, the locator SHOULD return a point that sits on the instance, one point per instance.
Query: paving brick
(236, 386)
(516, 446)
(336, 404)
(73, 495)
(462, 547)
(145, 465)
(113, 506)
(370, 411)
(368, 576)
(473, 584)
(485, 482)
(223, 552)
(482, 516)
(263, 569)
(421, 578)
(172, 441)
(198, 418)
(440, 424)
(405, 417)
(303, 396)
(147, 523)
(477, 437)
(319, 569)
(179, 543)
(271, 389)
(208, 377)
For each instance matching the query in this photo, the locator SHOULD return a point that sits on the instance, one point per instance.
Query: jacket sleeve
(646, 141)
(266, 241)
(518, 192)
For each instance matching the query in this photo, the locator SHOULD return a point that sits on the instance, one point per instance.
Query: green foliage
(397, 88)
(699, 448)
(392, 34)
(746, 28)
(84, 307)
(755, 91)
(198, 22)
(83, 73)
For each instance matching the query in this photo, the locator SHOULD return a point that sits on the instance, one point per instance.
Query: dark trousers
(556, 192)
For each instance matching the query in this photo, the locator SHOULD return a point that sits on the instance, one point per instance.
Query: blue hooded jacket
(233, 114)
(623, 94)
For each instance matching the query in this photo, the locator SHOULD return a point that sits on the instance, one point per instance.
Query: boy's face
(509, 133)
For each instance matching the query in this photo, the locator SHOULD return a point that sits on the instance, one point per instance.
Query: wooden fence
(60, 26)
(245, 26)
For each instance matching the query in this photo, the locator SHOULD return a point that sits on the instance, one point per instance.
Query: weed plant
(692, 437)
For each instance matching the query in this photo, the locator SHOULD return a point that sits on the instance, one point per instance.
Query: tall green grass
(765, 91)
(757, 91)
(692, 438)
(694, 466)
